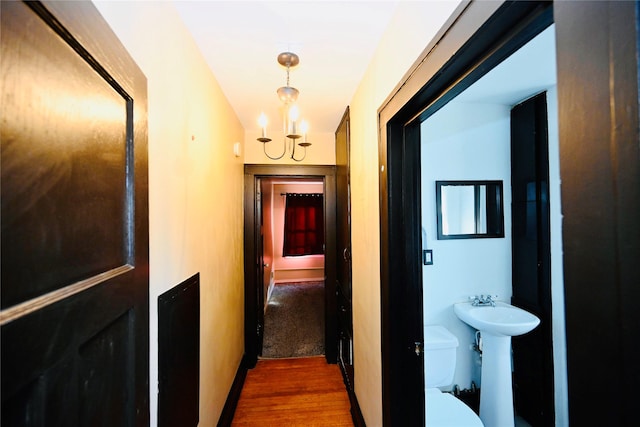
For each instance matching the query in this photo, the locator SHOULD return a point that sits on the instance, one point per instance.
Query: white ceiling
(528, 71)
(335, 40)
(240, 40)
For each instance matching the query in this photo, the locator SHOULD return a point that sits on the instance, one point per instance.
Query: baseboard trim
(229, 410)
(356, 413)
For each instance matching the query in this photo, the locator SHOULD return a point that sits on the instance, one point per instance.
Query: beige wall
(193, 173)
(412, 28)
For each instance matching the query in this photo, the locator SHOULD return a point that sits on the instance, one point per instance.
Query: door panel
(58, 195)
(74, 221)
(85, 378)
(343, 205)
(343, 257)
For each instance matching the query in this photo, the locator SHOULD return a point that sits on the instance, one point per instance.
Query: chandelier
(294, 128)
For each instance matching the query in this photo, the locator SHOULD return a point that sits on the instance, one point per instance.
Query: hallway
(293, 392)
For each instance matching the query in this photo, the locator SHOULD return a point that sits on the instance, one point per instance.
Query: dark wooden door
(343, 257)
(74, 221)
(531, 260)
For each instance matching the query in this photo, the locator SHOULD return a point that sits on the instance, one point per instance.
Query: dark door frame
(479, 42)
(597, 47)
(328, 175)
(598, 77)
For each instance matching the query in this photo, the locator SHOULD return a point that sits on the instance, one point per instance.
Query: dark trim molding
(229, 410)
(328, 175)
(356, 413)
(475, 43)
(597, 47)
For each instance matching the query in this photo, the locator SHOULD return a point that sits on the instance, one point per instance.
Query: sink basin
(503, 319)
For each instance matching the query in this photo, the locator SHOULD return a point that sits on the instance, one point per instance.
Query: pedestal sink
(497, 324)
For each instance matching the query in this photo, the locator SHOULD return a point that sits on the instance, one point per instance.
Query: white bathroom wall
(465, 142)
(471, 141)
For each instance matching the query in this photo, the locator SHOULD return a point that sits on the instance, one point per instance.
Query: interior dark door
(531, 255)
(343, 257)
(74, 221)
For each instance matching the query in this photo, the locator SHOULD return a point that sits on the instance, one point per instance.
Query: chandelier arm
(284, 150)
(294, 152)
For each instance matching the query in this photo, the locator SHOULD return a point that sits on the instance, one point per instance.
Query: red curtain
(303, 225)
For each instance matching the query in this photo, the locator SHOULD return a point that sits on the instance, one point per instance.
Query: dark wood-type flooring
(293, 392)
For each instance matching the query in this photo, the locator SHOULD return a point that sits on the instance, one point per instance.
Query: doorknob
(345, 254)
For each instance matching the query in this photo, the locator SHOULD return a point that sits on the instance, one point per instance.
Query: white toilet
(443, 409)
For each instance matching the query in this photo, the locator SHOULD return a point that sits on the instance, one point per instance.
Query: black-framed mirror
(469, 209)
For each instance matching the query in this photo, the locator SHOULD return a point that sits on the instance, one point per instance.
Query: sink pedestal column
(496, 388)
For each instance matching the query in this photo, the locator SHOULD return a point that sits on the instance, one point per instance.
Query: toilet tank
(440, 356)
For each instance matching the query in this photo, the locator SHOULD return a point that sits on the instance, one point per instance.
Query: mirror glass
(469, 209)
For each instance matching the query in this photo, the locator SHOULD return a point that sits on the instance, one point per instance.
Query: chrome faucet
(483, 300)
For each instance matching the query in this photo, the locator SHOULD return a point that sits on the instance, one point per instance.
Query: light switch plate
(427, 257)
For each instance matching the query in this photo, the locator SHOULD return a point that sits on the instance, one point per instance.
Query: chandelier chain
(287, 74)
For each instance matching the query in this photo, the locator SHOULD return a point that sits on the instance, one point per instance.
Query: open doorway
(597, 94)
(490, 132)
(404, 234)
(261, 275)
(293, 266)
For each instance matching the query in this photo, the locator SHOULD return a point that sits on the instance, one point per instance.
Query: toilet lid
(445, 410)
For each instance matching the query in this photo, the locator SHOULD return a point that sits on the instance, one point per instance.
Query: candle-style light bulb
(294, 114)
(304, 128)
(262, 121)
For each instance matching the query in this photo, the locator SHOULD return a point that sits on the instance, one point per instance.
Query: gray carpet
(294, 321)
